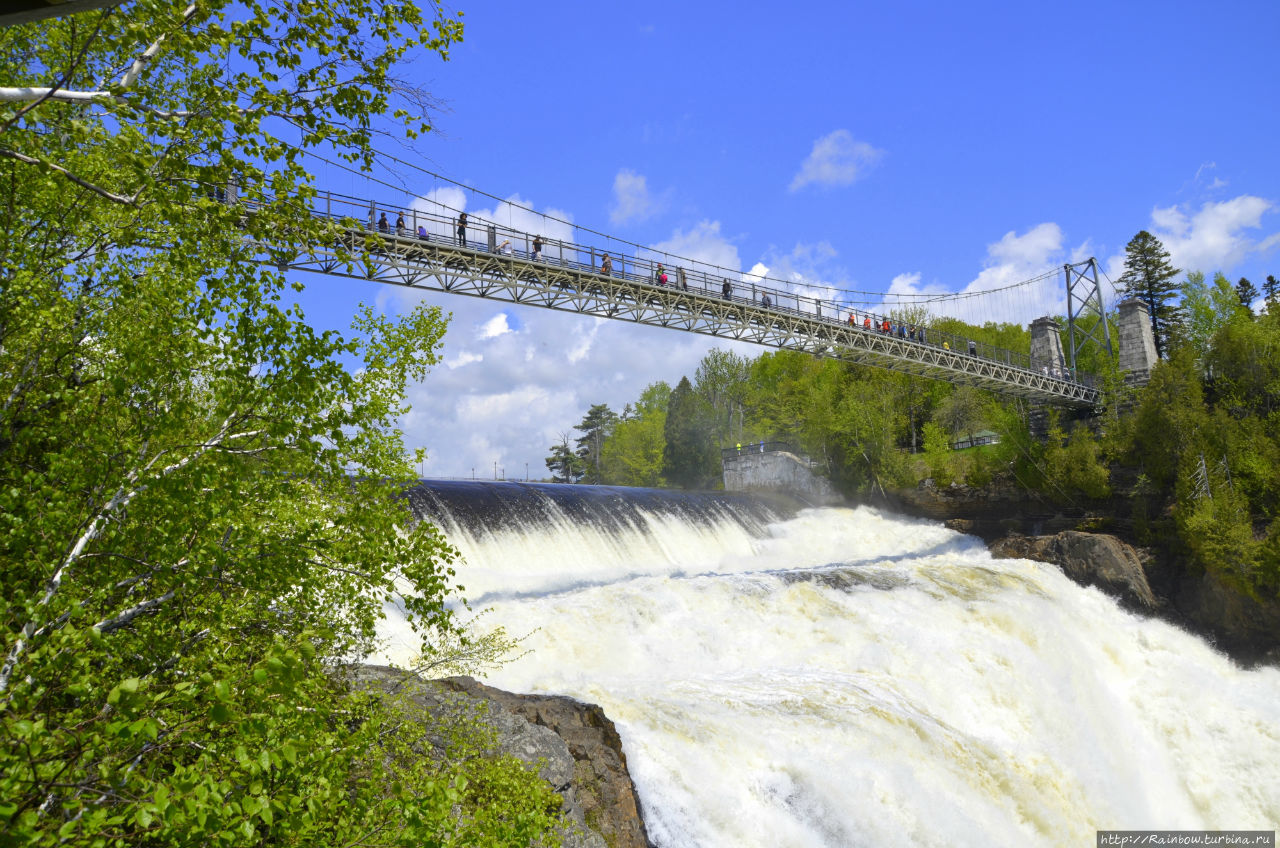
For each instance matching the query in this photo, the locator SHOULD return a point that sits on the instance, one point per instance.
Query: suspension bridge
(427, 250)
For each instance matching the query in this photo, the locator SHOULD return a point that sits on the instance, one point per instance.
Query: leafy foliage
(200, 521)
(633, 454)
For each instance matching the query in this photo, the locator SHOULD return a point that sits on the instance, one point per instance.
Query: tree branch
(122, 498)
(131, 75)
(29, 160)
(107, 625)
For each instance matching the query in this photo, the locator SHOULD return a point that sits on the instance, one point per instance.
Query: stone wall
(1137, 342)
(777, 471)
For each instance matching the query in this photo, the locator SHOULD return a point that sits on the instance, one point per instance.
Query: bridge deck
(441, 264)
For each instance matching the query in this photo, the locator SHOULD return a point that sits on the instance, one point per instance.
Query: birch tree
(198, 515)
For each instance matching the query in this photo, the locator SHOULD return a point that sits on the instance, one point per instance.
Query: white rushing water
(849, 677)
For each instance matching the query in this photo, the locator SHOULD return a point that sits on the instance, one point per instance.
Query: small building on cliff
(776, 467)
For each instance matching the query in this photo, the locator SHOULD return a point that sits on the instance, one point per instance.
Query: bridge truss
(439, 264)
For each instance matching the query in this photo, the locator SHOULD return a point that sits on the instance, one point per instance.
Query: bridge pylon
(1084, 296)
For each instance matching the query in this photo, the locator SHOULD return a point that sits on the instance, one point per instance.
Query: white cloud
(837, 159)
(495, 326)
(1011, 260)
(757, 273)
(703, 244)
(465, 357)
(1214, 238)
(631, 198)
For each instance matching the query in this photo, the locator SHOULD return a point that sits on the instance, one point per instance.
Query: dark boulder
(1090, 559)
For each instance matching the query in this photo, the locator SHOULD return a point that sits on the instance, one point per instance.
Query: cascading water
(846, 677)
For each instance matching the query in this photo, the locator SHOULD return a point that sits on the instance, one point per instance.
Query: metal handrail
(362, 213)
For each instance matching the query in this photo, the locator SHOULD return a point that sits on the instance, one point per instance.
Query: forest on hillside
(1194, 451)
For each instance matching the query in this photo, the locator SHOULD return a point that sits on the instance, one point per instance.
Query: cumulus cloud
(464, 357)
(1013, 259)
(703, 243)
(837, 159)
(631, 198)
(1215, 237)
(495, 326)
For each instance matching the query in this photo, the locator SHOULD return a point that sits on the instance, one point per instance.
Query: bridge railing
(748, 448)
(412, 223)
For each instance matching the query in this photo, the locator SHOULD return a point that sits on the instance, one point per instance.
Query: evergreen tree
(689, 460)
(1247, 292)
(1149, 275)
(1271, 288)
(596, 427)
(564, 463)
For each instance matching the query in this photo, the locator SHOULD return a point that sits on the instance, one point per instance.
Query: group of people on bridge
(868, 322)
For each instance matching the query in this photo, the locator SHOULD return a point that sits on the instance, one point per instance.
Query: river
(848, 677)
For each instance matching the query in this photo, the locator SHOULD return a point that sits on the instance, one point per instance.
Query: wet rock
(1090, 559)
(1246, 626)
(601, 784)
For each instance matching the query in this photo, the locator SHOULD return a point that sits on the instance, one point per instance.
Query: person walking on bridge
(866, 323)
(726, 291)
(462, 229)
(680, 278)
(383, 226)
(537, 248)
(606, 266)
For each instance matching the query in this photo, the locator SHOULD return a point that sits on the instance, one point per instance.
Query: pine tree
(1271, 288)
(564, 463)
(1247, 292)
(1149, 276)
(596, 427)
(689, 459)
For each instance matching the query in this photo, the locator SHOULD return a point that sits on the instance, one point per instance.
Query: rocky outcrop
(575, 746)
(989, 512)
(1090, 559)
(1242, 624)
(602, 786)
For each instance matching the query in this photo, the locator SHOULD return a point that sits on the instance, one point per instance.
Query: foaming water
(846, 677)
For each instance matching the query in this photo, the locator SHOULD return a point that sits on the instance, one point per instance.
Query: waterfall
(799, 677)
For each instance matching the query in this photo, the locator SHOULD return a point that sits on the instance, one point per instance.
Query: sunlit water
(847, 677)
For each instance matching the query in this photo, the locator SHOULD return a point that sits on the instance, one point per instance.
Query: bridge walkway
(567, 278)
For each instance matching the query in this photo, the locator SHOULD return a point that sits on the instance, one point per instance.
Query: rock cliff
(1017, 523)
(575, 745)
(1090, 559)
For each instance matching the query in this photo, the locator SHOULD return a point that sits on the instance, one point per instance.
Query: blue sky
(906, 146)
